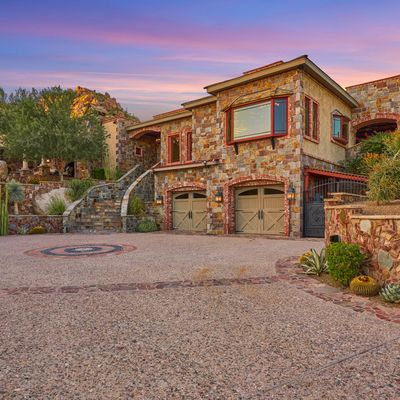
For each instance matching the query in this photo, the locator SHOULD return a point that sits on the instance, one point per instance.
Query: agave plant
(391, 293)
(15, 194)
(314, 263)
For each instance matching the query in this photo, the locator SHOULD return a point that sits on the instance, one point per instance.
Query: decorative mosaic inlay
(83, 250)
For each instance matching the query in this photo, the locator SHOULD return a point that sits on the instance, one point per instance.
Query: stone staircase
(100, 208)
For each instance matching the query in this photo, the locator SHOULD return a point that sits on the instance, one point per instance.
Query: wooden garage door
(260, 210)
(190, 211)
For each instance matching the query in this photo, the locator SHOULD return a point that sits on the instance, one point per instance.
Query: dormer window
(340, 128)
(257, 120)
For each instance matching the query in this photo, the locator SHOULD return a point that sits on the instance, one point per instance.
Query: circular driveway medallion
(83, 250)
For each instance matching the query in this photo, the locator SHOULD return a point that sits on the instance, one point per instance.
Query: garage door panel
(260, 210)
(190, 211)
(247, 221)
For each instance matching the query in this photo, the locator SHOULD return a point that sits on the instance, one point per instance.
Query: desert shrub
(391, 293)
(314, 263)
(147, 225)
(56, 206)
(384, 181)
(112, 174)
(15, 194)
(37, 230)
(136, 207)
(99, 174)
(77, 188)
(344, 261)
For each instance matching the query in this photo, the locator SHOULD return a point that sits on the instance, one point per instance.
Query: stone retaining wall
(31, 191)
(22, 224)
(378, 235)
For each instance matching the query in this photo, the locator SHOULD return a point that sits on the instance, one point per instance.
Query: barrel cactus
(364, 285)
(391, 293)
(303, 258)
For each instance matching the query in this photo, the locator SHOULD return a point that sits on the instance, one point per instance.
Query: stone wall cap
(374, 217)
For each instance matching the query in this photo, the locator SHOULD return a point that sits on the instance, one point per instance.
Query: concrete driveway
(95, 327)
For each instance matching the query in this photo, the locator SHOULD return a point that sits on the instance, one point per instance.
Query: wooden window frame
(229, 121)
(170, 137)
(343, 120)
(140, 153)
(313, 134)
(189, 146)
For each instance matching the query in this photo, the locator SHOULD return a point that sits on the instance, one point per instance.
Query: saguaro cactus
(3, 211)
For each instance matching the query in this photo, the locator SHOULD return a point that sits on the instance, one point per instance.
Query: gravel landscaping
(246, 339)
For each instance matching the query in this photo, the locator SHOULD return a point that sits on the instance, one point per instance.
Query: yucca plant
(314, 263)
(56, 206)
(3, 212)
(391, 293)
(15, 194)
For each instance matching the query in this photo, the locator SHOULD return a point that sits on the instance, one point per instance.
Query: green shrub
(136, 207)
(344, 261)
(112, 174)
(98, 173)
(314, 263)
(56, 206)
(376, 144)
(37, 230)
(384, 181)
(78, 187)
(148, 225)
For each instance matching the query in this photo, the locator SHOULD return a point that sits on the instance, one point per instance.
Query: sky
(152, 55)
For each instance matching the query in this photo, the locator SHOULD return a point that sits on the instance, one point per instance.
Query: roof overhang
(157, 121)
(302, 62)
(203, 101)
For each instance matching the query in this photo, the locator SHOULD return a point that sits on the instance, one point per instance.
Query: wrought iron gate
(314, 215)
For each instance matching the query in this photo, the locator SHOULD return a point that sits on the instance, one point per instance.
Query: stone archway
(249, 181)
(371, 123)
(173, 188)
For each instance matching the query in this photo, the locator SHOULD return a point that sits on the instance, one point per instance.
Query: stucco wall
(328, 103)
(111, 129)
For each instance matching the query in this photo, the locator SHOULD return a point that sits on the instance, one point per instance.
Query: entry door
(260, 210)
(190, 211)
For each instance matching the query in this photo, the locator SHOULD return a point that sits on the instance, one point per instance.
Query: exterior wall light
(159, 200)
(291, 193)
(219, 196)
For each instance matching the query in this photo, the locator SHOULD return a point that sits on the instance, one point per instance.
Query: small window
(280, 116)
(174, 149)
(315, 121)
(272, 191)
(189, 146)
(139, 151)
(340, 128)
(311, 119)
(199, 196)
(250, 192)
(182, 196)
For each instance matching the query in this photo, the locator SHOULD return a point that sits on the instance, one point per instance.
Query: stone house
(247, 157)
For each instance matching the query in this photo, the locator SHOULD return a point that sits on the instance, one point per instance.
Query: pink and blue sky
(153, 55)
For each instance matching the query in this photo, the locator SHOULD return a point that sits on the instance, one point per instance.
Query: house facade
(244, 158)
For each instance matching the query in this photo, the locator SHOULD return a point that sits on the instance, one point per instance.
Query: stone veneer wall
(256, 161)
(24, 223)
(378, 235)
(378, 100)
(126, 157)
(31, 191)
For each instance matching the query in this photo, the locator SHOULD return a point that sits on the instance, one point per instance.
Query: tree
(40, 125)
